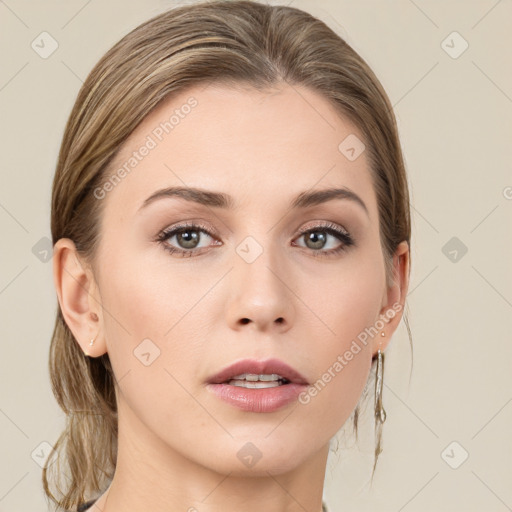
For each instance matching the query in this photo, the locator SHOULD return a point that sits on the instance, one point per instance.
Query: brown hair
(230, 42)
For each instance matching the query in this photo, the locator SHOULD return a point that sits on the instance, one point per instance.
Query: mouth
(255, 381)
(258, 386)
(253, 374)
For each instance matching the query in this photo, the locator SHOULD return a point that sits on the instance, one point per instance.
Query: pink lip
(258, 367)
(258, 400)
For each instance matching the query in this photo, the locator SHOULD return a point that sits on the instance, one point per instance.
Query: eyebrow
(209, 198)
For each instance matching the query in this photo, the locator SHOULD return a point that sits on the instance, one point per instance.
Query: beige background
(455, 120)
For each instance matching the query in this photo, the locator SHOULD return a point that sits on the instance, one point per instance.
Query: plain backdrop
(446, 67)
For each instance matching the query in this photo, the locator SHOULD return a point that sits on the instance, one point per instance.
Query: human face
(251, 285)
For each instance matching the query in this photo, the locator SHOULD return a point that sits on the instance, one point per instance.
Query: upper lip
(268, 366)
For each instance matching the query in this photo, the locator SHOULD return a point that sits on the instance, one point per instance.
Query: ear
(394, 298)
(79, 298)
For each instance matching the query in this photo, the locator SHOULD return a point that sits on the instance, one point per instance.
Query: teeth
(254, 385)
(253, 377)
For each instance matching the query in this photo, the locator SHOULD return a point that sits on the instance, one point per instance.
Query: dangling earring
(380, 413)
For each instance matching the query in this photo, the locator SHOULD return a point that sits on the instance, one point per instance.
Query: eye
(316, 238)
(188, 237)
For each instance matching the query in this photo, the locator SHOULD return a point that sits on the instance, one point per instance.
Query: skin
(178, 443)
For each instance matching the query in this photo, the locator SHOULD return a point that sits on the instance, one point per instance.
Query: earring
(94, 316)
(92, 341)
(380, 413)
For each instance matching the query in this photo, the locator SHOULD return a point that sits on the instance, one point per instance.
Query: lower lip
(257, 400)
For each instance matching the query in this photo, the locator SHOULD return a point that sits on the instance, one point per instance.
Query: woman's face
(241, 282)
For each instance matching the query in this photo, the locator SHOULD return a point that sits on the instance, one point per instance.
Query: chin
(257, 457)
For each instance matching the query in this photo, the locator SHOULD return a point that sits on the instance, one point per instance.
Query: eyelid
(323, 225)
(166, 233)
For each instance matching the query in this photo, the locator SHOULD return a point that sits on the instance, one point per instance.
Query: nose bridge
(259, 284)
(256, 264)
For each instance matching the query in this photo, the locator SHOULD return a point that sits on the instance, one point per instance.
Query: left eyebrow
(316, 197)
(209, 198)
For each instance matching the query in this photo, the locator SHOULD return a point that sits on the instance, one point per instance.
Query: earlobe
(75, 287)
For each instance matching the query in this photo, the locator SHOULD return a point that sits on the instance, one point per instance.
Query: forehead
(259, 147)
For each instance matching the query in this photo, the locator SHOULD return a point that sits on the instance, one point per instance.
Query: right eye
(187, 235)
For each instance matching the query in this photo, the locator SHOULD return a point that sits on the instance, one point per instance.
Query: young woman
(231, 229)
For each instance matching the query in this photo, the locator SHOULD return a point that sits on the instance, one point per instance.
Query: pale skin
(178, 443)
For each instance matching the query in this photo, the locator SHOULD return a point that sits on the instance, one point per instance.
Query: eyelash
(329, 228)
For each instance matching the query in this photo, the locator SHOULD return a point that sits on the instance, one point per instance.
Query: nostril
(245, 320)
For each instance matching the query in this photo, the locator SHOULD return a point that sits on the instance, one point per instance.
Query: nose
(261, 294)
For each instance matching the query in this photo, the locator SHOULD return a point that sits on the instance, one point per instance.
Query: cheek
(152, 339)
(148, 297)
(346, 300)
(348, 306)
(153, 307)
